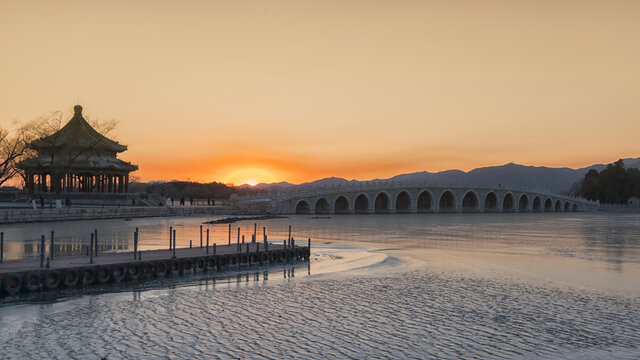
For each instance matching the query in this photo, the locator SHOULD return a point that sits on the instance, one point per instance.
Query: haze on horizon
(294, 91)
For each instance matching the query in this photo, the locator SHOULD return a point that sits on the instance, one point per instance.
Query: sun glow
(249, 176)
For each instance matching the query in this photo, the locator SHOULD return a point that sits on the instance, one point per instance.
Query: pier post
(170, 237)
(51, 246)
(135, 244)
(264, 233)
(174, 244)
(242, 239)
(214, 248)
(229, 234)
(289, 238)
(200, 236)
(91, 250)
(190, 247)
(42, 251)
(255, 229)
(207, 240)
(95, 238)
(48, 263)
(1, 247)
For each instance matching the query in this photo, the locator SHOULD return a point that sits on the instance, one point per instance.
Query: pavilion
(77, 159)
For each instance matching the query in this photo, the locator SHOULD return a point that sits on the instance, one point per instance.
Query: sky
(264, 91)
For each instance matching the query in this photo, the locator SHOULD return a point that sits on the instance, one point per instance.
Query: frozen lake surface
(485, 286)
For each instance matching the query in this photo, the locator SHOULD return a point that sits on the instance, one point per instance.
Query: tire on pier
(244, 259)
(298, 253)
(118, 272)
(187, 264)
(70, 277)
(173, 266)
(233, 259)
(255, 257)
(88, 275)
(32, 280)
(212, 262)
(12, 283)
(148, 270)
(103, 274)
(273, 257)
(133, 271)
(263, 257)
(51, 279)
(161, 267)
(201, 264)
(222, 262)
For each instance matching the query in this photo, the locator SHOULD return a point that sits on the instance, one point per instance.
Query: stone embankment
(11, 216)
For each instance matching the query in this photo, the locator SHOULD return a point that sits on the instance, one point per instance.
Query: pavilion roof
(77, 133)
(95, 164)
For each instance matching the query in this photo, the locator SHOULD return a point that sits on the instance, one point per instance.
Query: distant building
(633, 201)
(77, 159)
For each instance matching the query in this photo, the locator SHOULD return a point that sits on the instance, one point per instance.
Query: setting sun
(249, 176)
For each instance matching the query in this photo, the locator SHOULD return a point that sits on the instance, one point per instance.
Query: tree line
(613, 185)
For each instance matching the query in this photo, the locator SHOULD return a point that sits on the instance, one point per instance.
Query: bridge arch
(537, 204)
(425, 202)
(548, 205)
(341, 206)
(361, 204)
(574, 208)
(382, 202)
(403, 202)
(470, 202)
(567, 207)
(322, 207)
(491, 202)
(523, 203)
(558, 206)
(302, 207)
(508, 203)
(447, 202)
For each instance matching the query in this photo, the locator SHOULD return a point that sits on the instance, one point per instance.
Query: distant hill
(541, 178)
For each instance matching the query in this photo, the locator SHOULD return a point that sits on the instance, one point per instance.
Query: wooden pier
(34, 275)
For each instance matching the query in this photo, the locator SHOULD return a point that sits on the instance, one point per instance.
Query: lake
(485, 286)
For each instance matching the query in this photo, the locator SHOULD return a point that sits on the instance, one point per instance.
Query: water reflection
(610, 237)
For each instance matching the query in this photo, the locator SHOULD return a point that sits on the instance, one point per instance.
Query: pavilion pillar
(126, 183)
(110, 183)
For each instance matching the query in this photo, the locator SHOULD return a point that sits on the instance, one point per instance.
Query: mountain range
(541, 178)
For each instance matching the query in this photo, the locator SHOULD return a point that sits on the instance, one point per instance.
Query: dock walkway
(71, 271)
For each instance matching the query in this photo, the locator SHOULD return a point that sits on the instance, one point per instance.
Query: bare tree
(12, 148)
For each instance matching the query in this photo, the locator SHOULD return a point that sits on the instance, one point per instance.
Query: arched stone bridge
(385, 197)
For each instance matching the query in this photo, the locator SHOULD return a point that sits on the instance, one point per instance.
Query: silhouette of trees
(613, 185)
(184, 189)
(12, 148)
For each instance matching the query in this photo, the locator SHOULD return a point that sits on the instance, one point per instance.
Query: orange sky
(238, 91)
